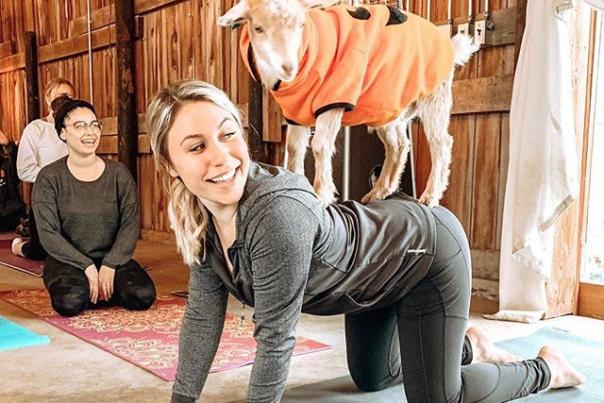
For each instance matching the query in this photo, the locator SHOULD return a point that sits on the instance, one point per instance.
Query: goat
(340, 65)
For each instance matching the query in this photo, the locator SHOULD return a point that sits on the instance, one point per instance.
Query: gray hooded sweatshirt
(293, 255)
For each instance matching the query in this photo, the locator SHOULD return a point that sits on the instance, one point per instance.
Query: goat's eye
(258, 29)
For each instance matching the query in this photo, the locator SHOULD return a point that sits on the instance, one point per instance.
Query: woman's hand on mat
(93, 282)
(106, 275)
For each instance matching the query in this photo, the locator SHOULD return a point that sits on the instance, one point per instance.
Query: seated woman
(38, 147)
(87, 218)
(396, 268)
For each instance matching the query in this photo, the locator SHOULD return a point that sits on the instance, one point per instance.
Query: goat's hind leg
(435, 112)
(323, 147)
(396, 146)
(297, 142)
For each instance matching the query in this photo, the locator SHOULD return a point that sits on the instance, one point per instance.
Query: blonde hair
(188, 217)
(55, 83)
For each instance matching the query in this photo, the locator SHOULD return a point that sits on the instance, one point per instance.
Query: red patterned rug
(148, 339)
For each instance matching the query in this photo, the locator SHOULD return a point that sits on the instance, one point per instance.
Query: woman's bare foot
(484, 350)
(17, 246)
(563, 375)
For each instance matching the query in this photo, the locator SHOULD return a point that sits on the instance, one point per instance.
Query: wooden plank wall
(179, 39)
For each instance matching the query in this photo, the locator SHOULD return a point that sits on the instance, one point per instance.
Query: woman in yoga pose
(396, 268)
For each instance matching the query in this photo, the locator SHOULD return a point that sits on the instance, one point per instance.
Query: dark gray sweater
(292, 255)
(82, 222)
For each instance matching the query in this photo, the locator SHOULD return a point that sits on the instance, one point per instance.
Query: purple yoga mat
(35, 268)
(7, 236)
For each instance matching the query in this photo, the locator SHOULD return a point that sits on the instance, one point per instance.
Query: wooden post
(255, 123)
(520, 24)
(31, 76)
(127, 125)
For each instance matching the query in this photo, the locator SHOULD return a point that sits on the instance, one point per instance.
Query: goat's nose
(287, 68)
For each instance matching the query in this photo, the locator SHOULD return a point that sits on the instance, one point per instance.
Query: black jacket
(10, 198)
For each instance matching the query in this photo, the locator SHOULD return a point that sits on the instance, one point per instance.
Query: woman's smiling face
(208, 152)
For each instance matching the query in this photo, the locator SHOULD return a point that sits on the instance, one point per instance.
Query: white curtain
(542, 173)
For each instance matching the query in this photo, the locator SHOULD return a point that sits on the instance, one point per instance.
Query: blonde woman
(39, 146)
(396, 268)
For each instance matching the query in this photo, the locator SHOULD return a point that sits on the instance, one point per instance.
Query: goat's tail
(464, 48)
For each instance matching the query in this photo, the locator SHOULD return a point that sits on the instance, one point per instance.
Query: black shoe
(23, 228)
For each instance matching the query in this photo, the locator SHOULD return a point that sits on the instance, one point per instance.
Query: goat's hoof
(375, 194)
(429, 201)
(326, 200)
(326, 196)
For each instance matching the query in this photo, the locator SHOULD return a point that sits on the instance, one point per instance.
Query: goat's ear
(318, 3)
(236, 15)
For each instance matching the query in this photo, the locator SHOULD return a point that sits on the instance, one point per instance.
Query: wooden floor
(71, 370)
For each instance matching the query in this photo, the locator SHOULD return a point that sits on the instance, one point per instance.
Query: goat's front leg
(297, 141)
(396, 146)
(323, 146)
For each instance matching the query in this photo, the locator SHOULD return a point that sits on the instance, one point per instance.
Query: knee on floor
(70, 304)
(138, 297)
(370, 383)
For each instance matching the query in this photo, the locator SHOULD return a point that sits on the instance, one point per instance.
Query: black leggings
(421, 337)
(32, 249)
(70, 292)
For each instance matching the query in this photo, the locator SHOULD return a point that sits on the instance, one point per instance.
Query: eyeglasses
(95, 126)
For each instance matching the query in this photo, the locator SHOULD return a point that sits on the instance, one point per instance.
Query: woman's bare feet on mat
(484, 350)
(563, 375)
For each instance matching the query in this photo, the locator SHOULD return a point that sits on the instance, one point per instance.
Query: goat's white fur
(433, 110)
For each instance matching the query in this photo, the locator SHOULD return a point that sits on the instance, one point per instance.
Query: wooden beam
(108, 145)
(146, 6)
(98, 19)
(105, 16)
(482, 95)
(101, 38)
(504, 27)
(7, 48)
(127, 124)
(102, 17)
(12, 63)
(31, 76)
(591, 300)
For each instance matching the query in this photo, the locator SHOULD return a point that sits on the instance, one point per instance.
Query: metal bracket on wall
(499, 29)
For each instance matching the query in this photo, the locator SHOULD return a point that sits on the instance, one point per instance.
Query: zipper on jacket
(416, 251)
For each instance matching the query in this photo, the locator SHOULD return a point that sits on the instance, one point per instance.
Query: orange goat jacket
(374, 61)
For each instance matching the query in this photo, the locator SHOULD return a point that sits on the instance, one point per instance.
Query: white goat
(343, 65)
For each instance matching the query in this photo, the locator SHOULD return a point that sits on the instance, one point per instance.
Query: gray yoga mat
(586, 355)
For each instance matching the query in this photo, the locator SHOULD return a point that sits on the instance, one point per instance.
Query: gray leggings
(421, 337)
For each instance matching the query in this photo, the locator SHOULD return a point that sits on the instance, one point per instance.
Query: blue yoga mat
(586, 355)
(14, 336)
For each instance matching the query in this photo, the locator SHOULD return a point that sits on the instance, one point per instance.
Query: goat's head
(275, 28)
